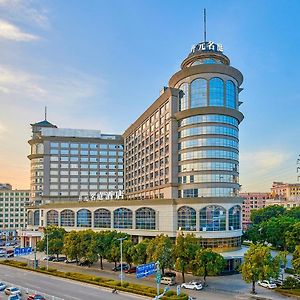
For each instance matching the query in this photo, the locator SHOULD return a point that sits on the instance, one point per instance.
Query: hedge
(100, 281)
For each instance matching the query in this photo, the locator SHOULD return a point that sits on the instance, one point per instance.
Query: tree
(296, 260)
(160, 249)
(293, 236)
(260, 215)
(184, 252)
(55, 240)
(294, 213)
(88, 245)
(102, 246)
(71, 242)
(128, 251)
(259, 265)
(139, 254)
(207, 262)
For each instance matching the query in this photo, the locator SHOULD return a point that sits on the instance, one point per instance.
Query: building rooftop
(44, 123)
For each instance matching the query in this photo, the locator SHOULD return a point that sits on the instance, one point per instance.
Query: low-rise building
(281, 190)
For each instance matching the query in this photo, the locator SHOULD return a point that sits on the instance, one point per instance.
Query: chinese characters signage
(207, 47)
(102, 196)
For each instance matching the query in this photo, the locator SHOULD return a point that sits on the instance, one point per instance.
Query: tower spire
(204, 21)
(45, 113)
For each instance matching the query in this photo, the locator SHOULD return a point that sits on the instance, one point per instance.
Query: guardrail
(27, 291)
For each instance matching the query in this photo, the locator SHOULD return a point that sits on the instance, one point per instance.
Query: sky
(99, 64)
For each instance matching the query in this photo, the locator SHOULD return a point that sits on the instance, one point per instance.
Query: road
(58, 287)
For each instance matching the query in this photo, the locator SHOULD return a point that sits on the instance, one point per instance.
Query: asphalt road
(57, 287)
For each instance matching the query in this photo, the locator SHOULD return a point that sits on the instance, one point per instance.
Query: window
(230, 94)
(145, 218)
(235, 217)
(212, 218)
(84, 218)
(122, 218)
(184, 96)
(67, 218)
(36, 218)
(102, 218)
(198, 93)
(186, 218)
(216, 92)
(52, 217)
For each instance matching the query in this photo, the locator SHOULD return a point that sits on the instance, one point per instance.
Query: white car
(2, 286)
(192, 285)
(12, 291)
(267, 284)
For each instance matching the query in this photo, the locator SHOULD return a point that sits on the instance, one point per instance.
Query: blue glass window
(216, 92)
(212, 218)
(52, 217)
(36, 218)
(145, 218)
(84, 218)
(184, 97)
(186, 217)
(235, 217)
(102, 218)
(122, 218)
(67, 218)
(230, 94)
(198, 93)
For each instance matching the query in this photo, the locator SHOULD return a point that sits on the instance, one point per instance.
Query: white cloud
(12, 32)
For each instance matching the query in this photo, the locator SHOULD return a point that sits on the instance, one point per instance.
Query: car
(10, 253)
(70, 261)
(58, 259)
(2, 252)
(36, 297)
(267, 284)
(131, 270)
(12, 291)
(278, 281)
(118, 267)
(14, 297)
(169, 274)
(85, 263)
(192, 285)
(2, 286)
(49, 258)
(168, 280)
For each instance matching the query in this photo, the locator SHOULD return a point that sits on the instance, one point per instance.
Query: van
(168, 280)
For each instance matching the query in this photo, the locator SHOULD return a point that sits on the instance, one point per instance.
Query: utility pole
(121, 241)
(47, 251)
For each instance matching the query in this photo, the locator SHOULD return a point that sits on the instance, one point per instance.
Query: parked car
(70, 261)
(278, 281)
(192, 285)
(2, 286)
(60, 258)
(35, 297)
(267, 284)
(49, 258)
(10, 253)
(85, 263)
(169, 274)
(12, 291)
(118, 267)
(168, 280)
(14, 297)
(131, 270)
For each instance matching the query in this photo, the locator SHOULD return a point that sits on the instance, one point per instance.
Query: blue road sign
(145, 270)
(22, 251)
(178, 290)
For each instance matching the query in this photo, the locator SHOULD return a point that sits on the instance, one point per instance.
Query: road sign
(178, 290)
(22, 251)
(158, 277)
(145, 270)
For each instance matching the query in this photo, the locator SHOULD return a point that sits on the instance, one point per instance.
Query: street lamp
(121, 242)
(47, 250)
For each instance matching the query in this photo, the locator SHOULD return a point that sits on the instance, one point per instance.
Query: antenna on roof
(204, 20)
(45, 113)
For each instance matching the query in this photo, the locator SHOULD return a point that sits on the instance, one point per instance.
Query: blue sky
(100, 64)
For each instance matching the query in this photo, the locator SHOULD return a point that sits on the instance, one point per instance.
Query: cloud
(12, 32)
(65, 87)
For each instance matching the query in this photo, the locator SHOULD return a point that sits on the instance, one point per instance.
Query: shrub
(289, 270)
(52, 270)
(291, 283)
(42, 268)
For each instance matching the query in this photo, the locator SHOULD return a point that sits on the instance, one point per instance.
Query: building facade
(12, 208)
(67, 164)
(252, 201)
(285, 191)
(181, 159)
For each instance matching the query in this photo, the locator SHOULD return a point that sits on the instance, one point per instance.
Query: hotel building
(181, 160)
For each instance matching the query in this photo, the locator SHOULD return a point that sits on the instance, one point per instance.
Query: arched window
(186, 217)
(216, 92)
(122, 218)
(84, 218)
(36, 218)
(30, 218)
(230, 94)
(209, 61)
(67, 218)
(212, 218)
(52, 217)
(198, 93)
(184, 96)
(102, 218)
(145, 218)
(235, 217)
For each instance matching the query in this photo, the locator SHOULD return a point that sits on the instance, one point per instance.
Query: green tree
(55, 240)
(294, 213)
(184, 252)
(128, 251)
(293, 236)
(260, 215)
(139, 254)
(259, 265)
(102, 240)
(207, 262)
(70, 249)
(296, 260)
(161, 249)
(88, 245)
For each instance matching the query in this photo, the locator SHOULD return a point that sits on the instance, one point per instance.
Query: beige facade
(280, 190)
